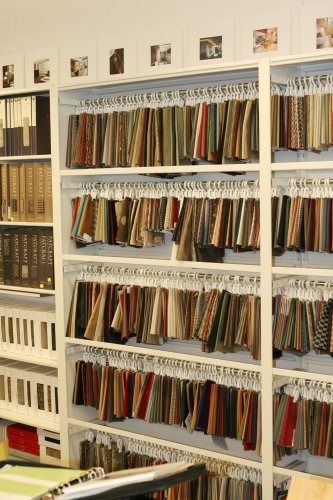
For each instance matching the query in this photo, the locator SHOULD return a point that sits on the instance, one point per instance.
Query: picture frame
(210, 44)
(42, 66)
(12, 71)
(317, 27)
(78, 63)
(117, 57)
(265, 34)
(160, 51)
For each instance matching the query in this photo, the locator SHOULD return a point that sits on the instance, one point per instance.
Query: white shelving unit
(263, 264)
(271, 167)
(35, 296)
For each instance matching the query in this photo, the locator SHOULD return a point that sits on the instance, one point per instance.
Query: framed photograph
(116, 57)
(265, 40)
(317, 27)
(12, 70)
(265, 34)
(210, 43)
(160, 54)
(78, 63)
(161, 51)
(41, 66)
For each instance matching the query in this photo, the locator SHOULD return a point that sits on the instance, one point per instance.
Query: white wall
(35, 23)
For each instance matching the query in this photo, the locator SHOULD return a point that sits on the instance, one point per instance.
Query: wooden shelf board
(166, 354)
(302, 165)
(36, 360)
(26, 224)
(25, 290)
(227, 168)
(253, 268)
(161, 442)
(23, 418)
(8, 159)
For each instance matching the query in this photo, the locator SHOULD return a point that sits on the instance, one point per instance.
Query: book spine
(33, 257)
(3, 127)
(33, 126)
(24, 257)
(22, 191)
(42, 125)
(7, 261)
(4, 192)
(42, 258)
(12, 127)
(39, 192)
(26, 133)
(49, 268)
(15, 257)
(14, 190)
(1, 257)
(48, 192)
(29, 192)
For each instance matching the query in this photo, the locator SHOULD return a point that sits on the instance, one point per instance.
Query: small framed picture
(265, 34)
(78, 63)
(41, 66)
(210, 43)
(12, 70)
(161, 51)
(210, 48)
(324, 32)
(117, 61)
(8, 76)
(116, 57)
(79, 66)
(265, 40)
(317, 27)
(160, 54)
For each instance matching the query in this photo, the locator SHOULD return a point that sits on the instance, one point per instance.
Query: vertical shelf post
(266, 277)
(58, 278)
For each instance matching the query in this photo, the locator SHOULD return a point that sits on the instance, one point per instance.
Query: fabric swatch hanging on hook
(204, 405)
(215, 125)
(302, 114)
(218, 216)
(221, 319)
(102, 451)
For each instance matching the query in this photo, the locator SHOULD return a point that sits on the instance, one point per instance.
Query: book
(25, 125)
(3, 127)
(4, 192)
(26, 192)
(1, 257)
(29, 192)
(15, 257)
(22, 191)
(33, 237)
(26, 129)
(7, 258)
(27, 257)
(48, 192)
(14, 192)
(24, 257)
(39, 192)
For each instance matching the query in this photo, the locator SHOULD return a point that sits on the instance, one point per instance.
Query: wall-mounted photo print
(211, 48)
(79, 66)
(8, 76)
(116, 61)
(324, 32)
(160, 54)
(42, 71)
(265, 40)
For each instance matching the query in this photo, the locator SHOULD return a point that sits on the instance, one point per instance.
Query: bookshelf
(27, 304)
(271, 168)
